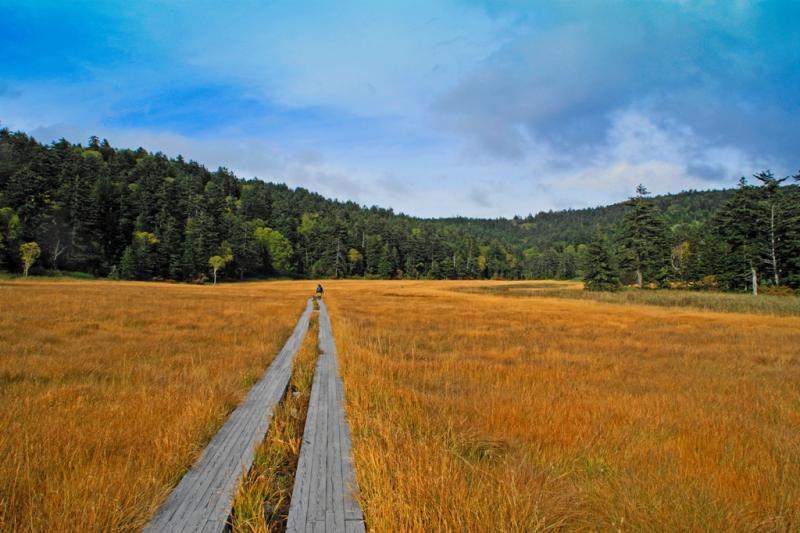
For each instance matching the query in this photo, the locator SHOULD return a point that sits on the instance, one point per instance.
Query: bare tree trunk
(57, 251)
(336, 264)
(639, 280)
(772, 243)
(215, 276)
(26, 270)
(754, 279)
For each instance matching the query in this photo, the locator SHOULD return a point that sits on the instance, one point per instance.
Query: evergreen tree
(645, 239)
(773, 222)
(790, 246)
(9, 231)
(601, 267)
(139, 259)
(84, 207)
(387, 265)
(737, 226)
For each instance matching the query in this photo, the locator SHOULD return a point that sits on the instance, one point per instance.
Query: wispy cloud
(434, 108)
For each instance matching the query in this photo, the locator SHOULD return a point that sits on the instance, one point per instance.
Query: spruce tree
(772, 221)
(645, 239)
(601, 270)
(737, 225)
(790, 247)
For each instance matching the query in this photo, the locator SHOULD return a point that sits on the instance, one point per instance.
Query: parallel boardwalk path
(203, 499)
(324, 486)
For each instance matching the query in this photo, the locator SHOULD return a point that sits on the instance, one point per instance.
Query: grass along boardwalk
(202, 500)
(323, 498)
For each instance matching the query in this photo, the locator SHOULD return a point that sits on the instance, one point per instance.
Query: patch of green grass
(78, 275)
(515, 287)
(706, 301)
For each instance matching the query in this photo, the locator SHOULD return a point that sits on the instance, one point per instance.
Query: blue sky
(432, 108)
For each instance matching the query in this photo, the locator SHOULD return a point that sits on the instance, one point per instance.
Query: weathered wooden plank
(203, 499)
(317, 501)
(323, 496)
(302, 487)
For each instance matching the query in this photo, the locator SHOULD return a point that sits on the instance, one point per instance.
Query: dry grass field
(109, 390)
(470, 410)
(479, 412)
(765, 304)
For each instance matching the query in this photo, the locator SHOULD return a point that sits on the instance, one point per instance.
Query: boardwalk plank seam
(323, 498)
(203, 499)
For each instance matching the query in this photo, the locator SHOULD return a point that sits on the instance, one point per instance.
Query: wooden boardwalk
(203, 499)
(324, 486)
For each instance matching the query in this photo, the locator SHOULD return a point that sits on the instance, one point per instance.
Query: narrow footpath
(324, 494)
(323, 498)
(203, 499)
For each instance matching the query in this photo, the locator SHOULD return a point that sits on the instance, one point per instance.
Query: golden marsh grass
(109, 390)
(476, 412)
(469, 411)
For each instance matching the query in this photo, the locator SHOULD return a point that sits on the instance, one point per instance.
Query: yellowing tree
(217, 262)
(354, 258)
(29, 253)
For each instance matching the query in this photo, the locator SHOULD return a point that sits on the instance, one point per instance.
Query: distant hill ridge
(143, 215)
(575, 226)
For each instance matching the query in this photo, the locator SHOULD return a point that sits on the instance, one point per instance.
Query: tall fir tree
(645, 240)
(601, 269)
(737, 226)
(773, 221)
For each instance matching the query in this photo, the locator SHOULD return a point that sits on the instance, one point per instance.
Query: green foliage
(355, 260)
(93, 154)
(139, 258)
(220, 261)
(85, 206)
(601, 268)
(29, 253)
(278, 248)
(9, 232)
(645, 240)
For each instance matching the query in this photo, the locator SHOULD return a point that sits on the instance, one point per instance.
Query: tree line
(138, 215)
(752, 240)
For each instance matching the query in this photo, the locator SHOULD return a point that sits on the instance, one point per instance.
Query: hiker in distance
(320, 290)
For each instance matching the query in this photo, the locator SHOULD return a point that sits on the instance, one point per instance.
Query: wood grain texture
(324, 492)
(203, 499)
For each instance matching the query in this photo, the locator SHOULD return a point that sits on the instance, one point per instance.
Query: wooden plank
(323, 498)
(203, 499)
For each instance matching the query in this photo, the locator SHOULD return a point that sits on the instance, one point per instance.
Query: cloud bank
(435, 109)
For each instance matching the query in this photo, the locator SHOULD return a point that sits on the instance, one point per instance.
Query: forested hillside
(138, 215)
(574, 226)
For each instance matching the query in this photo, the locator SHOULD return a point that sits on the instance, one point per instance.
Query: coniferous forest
(136, 215)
